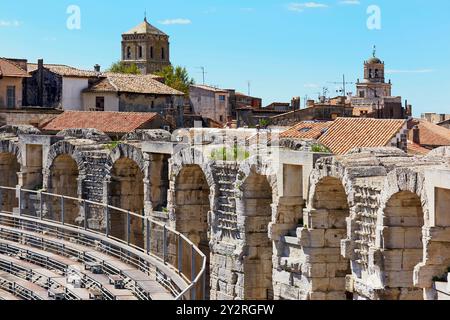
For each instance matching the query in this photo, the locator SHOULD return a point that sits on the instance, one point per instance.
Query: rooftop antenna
(343, 83)
(249, 85)
(145, 15)
(374, 51)
(203, 73)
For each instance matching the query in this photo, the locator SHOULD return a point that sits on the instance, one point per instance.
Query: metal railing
(150, 246)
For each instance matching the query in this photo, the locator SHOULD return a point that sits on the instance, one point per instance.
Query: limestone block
(322, 255)
(393, 260)
(412, 257)
(397, 279)
(318, 296)
(333, 237)
(337, 284)
(336, 296)
(320, 284)
(338, 269)
(316, 270)
(413, 238)
(394, 237)
(311, 237)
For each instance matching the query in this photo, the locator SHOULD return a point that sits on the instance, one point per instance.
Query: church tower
(147, 47)
(374, 84)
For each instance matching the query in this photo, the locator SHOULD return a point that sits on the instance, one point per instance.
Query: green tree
(177, 78)
(121, 67)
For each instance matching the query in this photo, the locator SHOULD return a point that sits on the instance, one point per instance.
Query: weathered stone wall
(371, 224)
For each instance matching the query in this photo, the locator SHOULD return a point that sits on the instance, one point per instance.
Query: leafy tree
(177, 78)
(121, 67)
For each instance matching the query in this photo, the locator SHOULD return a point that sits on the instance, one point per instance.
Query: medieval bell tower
(147, 47)
(374, 84)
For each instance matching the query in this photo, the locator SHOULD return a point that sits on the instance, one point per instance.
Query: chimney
(40, 82)
(97, 68)
(416, 135)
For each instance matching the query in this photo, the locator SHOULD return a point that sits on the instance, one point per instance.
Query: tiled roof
(306, 130)
(115, 82)
(65, 71)
(209, 88)
(346, 134)
(416, 149)
(10, 69)
(107, 122)
(430, 134)
(145, 28)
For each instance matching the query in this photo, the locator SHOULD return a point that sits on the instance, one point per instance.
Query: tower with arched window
(374, 84)
(147, 47)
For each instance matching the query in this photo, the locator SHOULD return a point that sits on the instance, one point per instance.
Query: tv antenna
(343, 83)
(248, 86)
(203, 73)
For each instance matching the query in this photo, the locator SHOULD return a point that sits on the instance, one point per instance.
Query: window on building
(221, 118)
(151, 52)
(304, 130)
(11, 97)
(370, 73)
(152, 105)
(221, 98)
(99, 103)
(140, 53)
(362, 94)
(376, 73)
(163, 54)
(128, 53)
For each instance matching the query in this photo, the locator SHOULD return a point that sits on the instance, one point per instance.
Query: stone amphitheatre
(159, 216)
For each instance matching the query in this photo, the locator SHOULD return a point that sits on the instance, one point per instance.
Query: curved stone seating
(22, 288)
(5, 295)
(141, 284)
(43, 277)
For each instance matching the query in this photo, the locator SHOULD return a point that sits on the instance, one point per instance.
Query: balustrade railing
(151, 246)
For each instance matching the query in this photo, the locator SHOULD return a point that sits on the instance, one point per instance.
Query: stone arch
(321, 237)
(255, 207)
(64, 148)
(125, 187)
(10, 169)
(402, 246)
(190, 202)
(403, 215)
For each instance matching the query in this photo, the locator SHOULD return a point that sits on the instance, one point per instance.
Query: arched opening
(191, 210)
(64, 181)
(329, 215)
(258, 267)
(9, 168)
(403, 245)
(126, 191)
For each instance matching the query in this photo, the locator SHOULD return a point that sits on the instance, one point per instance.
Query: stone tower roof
(145, 28)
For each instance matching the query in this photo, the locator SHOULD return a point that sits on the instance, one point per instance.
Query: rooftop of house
(208, 88)
(345, 134)
(417, 149)
(10, 69)
(429, 134)
(65, 70)
(307, 130)
(107, 122)
(145, 84)
(145, 28)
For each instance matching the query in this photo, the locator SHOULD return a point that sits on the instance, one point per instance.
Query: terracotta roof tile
(306, 130)
(346, 134)
(430, 134)
(65, 71)
(145, 28)
(146, 84)
(107, 122)
(10, 69)
(416, 149)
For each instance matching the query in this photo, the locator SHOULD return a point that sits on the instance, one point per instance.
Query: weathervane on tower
(374, 50)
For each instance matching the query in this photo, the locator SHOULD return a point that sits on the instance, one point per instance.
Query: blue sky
(285, 48)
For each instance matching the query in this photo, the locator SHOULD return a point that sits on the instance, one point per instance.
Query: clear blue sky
(285, 48)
